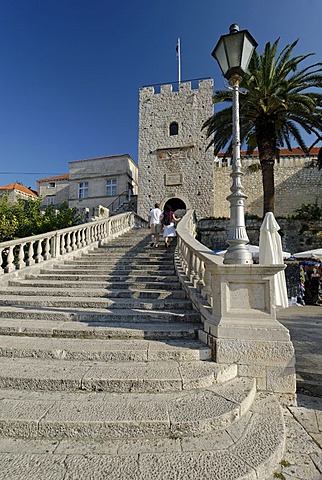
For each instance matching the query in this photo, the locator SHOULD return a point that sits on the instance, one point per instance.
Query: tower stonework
(174, 165)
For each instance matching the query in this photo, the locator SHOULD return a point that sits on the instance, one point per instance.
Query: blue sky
(71, 69)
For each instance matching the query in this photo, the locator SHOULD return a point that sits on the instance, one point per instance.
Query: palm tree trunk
(268, 186)
(266, 140)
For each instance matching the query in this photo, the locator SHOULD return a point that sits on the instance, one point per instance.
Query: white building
(105, 181)
(53, 190)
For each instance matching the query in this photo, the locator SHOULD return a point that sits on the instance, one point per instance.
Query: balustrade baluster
(87, 236)
(62, 245)
(47, 254)
(84, 237)
(21, 257)
(30, 255)
(201, 275)
(192, 273)
(39, 258)
(74, 246)
(78, 239)
(10, 266)
(1, 261)
(68, 243)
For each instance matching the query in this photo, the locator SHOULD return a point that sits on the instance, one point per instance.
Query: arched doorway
(176, 204)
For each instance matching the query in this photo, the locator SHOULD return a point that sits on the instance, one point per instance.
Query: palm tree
(278, 101)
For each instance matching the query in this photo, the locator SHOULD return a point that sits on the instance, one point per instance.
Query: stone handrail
(26, 252)
(238, 312)
(196, 260)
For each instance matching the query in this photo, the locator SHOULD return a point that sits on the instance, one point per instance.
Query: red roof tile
(64, 176)
(296, 152)
(20, 188)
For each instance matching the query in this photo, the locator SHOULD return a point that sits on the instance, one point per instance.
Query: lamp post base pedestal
(238, 255)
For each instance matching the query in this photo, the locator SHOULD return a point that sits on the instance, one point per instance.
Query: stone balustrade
(237, 306)
(27, 252)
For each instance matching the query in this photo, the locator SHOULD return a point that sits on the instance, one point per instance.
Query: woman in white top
(167, 221)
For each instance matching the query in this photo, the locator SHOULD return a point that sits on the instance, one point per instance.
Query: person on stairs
(167, 221)
(154, 223)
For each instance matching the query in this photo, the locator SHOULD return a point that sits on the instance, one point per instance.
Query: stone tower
(174, 166)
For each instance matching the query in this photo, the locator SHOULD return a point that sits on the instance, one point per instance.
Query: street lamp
(233, 53)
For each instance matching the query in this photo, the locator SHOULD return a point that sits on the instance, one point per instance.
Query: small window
(111, 187)
(51, 184)
(83, 190)
(174, 128)
(51, 200)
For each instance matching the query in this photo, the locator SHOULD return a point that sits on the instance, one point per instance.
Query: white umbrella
(270, 253)
(254, 250)
(315, 254)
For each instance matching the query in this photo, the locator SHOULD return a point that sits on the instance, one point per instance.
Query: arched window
(174, 128)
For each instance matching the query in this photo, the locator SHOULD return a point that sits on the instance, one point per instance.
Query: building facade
(53, 190)
(15, 192)
(175, 166)
(103, 181)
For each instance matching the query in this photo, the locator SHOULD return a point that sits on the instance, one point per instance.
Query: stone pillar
(242, 327)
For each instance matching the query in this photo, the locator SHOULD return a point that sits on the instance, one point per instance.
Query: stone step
(97, 316)
(144, 254)
(90, 303)
(101, 416)
(112, 377)
(119, 269)
(124, 277)
(104, 330)
(60, 291)
(86, 260)
(247, 450)
(133, 244)
(88, 285)
(103, 350)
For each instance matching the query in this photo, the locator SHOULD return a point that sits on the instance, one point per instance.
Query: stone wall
(297, 181)
(214, 232)
(176, 166)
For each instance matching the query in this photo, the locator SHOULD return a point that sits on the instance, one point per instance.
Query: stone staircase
(102, 376)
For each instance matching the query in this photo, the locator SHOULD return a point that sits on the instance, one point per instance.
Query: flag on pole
(179, 59)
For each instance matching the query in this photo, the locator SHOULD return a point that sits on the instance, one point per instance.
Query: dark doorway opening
(176, 204)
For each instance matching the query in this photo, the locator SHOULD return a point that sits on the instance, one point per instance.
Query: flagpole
(179, 60)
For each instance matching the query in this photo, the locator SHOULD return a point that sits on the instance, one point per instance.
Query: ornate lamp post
(233, 53)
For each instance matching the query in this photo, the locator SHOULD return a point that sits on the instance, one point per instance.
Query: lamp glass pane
(248, 49)
(221, 58)
(234, 47)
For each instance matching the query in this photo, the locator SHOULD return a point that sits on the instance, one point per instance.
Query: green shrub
(308, 212)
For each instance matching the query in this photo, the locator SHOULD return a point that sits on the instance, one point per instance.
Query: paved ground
(303, 455)
(305, 326)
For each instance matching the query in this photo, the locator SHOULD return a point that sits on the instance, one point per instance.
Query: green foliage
(25, 218)
(251, 216)
(254, 167)
(279, 475)
(308, 212)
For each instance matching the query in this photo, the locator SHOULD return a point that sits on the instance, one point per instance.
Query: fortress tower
(174, 166)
